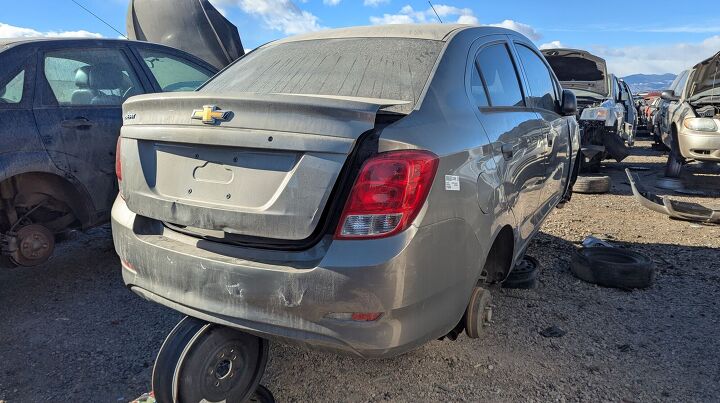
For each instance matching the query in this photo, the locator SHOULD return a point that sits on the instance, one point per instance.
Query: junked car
(60, 105)
(601, 112)
(662, 124)
(694, 117)
(354, 190)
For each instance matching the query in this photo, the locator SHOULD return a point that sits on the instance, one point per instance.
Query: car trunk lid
(579, 70)
(260, 166)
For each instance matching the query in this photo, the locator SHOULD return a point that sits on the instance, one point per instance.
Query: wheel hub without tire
(35, 245)
(479, 313)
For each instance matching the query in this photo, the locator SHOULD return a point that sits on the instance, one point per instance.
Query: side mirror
(568, 105)
(669, 95)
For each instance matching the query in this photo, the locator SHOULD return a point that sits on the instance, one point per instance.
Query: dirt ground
(70, 331)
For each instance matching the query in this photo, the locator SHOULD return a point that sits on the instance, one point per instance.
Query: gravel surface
(69, 330)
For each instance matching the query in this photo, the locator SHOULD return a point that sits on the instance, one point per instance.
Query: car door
(172, 71)
(79, 115)
(514, 130)
(18, 134)
(543, 95)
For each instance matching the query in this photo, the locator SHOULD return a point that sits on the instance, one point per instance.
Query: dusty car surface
(60, 104)
(601, 111)
(693, 117)
(350, 189)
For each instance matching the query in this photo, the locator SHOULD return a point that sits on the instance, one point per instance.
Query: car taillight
(388, 194)
(118, 164)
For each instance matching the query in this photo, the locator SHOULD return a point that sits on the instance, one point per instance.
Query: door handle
(550, 138)
(77, 123)
(507, 150)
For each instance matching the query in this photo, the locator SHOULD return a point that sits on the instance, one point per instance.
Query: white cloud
(11, 31)
(375, 3)
(656, 59)
(331, 2)
(552, 45)
(408, 15)
(280, 15)
(524, 29)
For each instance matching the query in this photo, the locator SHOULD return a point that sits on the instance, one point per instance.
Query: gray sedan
(353, 190)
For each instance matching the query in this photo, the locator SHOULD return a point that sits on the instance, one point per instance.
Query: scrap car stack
(302, 197)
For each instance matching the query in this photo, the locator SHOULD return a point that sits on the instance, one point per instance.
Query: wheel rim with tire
(200, 361)
(675, 161)
(524, 275)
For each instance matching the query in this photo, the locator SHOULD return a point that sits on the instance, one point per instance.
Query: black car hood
(578, 69)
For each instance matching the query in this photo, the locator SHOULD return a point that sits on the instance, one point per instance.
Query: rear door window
(477, 88)
(173, 73)
(542, 91)
(11, 92)
(90, 77)
(500, 76)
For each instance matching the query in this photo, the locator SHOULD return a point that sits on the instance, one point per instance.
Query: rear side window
(542, 87)
(173, 73)
(477, 88)
(390, 68)
(500, 76)
(90, 77)
(11, 92)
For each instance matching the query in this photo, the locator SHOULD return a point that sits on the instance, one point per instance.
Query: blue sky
(634, 36)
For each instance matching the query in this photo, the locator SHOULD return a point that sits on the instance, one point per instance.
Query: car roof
(6, 43)
(437, 32)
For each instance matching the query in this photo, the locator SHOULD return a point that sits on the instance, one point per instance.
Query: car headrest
(102, 76)
(82, 77)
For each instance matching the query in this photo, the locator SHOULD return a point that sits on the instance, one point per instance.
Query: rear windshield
(390, 68)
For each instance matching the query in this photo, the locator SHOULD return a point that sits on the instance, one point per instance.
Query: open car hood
(578, 69)
(705, 80)
(194, 26)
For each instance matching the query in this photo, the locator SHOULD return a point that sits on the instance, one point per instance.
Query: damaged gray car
(354, 190)
(603, 105)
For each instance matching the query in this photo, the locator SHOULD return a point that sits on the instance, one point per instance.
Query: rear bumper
(701, 147)
(419, 280)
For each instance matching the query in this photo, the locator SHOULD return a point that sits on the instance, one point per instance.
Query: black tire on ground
(170, 355)
(592, 184)
(524, 275)
(675, 162)
(200, 361)
(613, 267)
(262, 395)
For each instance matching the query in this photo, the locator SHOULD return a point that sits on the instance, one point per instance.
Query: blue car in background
(60, 117)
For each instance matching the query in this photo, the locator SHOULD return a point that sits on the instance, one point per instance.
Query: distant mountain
(649, 82)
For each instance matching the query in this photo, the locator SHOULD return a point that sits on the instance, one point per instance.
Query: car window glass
(624, 95)
(387, 68)
(477, 89)
(681, 84)
(542, 87)
(500, 76)
(172, 73)
(12, 91)
(90, 77)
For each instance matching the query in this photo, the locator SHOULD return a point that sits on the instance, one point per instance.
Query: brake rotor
(479, 313)
(35, 245)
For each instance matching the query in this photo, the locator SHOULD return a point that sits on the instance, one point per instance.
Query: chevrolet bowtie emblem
(211, 114)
